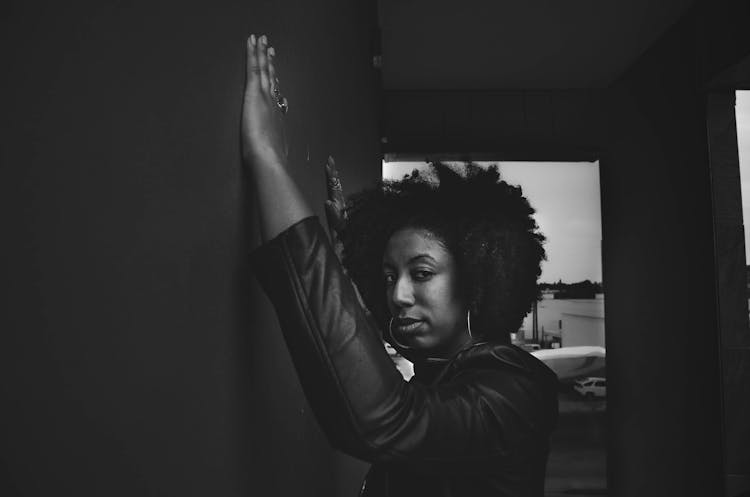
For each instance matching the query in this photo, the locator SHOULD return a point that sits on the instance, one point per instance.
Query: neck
(428, 367)
(442, 354)
(464, 340)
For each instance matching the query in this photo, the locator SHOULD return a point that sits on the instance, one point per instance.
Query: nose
(403, 293)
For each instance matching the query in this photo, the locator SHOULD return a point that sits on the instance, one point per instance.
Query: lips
(407, 325)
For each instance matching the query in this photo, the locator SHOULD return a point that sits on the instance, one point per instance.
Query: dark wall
(725, 40)
(649, 130)
(726, 59)
(552, 125)
(137, 354)
(662, 331)
(731, 272)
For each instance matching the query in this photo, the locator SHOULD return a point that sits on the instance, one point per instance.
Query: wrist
(254, 162)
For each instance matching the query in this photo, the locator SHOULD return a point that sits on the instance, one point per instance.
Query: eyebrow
(422, 256)
(415, 258)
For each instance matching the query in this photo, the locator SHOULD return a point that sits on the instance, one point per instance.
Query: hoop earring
(393, 338)
(468, 322)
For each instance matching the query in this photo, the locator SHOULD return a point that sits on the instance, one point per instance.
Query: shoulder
(509, 377)
(508, 359)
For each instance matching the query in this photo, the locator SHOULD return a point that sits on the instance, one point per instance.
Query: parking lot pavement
(577, 464)
(572, 402)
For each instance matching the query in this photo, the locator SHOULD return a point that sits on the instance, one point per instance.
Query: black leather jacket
(475, 425)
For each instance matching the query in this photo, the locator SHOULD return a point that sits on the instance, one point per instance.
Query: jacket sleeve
(358, 396)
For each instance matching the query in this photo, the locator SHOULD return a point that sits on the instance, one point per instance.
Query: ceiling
(522, 44)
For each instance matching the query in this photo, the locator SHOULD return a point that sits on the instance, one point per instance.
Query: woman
(448, 272)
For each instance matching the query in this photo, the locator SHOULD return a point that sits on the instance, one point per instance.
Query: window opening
(566, 327)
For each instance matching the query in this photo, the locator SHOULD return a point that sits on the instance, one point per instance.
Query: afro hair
(485, 223)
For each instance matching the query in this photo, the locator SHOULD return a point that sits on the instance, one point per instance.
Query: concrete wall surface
(137, 355)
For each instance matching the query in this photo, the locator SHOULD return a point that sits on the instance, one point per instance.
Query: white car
(591, 387)
(572, 363)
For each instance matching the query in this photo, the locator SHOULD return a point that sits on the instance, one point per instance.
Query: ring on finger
(281, 100)
(283, 103)
(334, 184)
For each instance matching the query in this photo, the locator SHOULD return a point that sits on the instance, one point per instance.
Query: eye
(389, 279)
(422, 275)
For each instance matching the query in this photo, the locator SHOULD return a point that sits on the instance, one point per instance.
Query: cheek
(441, 297)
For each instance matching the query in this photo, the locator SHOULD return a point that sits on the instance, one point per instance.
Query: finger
(252, 68)
(333, 215)
(284, 104)
(335, 190)
(261, 51)
(272, 69)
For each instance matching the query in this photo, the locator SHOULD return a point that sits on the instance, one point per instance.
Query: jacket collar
(482, 355)
(429, 370)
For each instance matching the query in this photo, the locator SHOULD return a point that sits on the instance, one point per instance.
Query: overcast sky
(743, 142)
(566, 198)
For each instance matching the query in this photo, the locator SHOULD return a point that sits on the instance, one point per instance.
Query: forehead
(408, 243)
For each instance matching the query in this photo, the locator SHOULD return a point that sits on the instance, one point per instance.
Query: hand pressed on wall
(263, 137)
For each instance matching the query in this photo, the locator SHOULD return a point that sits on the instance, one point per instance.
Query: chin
(423, 343)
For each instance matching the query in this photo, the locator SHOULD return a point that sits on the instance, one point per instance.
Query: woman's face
(422, 292)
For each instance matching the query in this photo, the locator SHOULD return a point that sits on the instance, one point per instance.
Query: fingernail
(263, 39)
(252, 39)
(271, 52)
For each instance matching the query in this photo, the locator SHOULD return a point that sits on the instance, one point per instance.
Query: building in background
(583, 328)
(567, 322)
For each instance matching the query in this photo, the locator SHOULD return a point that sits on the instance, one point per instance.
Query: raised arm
(264, 151)
(495, 412)
(359, 398)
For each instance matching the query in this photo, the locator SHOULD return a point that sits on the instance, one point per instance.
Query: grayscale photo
(375, 248)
